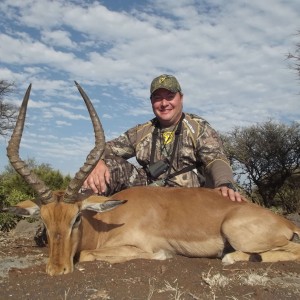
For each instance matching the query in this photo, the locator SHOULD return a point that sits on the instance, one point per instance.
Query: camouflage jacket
(198, 145)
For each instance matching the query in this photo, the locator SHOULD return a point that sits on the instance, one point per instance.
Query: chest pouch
(158, 168)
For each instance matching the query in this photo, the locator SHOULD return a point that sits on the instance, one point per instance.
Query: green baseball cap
(167, 82)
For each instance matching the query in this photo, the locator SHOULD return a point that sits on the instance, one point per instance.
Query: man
(173, 149)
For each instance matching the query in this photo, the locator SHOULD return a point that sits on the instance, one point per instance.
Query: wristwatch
(229, 185)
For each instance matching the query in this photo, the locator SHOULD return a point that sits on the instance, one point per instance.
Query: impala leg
(232, 257)
(288, 252)
(121, 254)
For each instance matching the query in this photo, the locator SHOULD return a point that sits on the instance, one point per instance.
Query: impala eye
(77, 221)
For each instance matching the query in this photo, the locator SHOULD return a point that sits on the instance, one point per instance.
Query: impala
(146, 222)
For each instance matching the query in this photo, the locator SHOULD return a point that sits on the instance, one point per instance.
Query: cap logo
(162, 79)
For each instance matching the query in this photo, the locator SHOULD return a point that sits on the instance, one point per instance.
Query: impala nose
(55, 269)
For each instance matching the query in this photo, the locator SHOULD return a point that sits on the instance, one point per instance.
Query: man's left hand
(230, 193)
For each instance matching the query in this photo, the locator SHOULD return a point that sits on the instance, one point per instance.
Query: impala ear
(24, 209)
(102, 206)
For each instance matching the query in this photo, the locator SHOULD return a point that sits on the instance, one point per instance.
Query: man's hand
(98, 179)
(230, 193)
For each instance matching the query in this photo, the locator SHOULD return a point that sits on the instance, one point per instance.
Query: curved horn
(44, 193)
(93, 157)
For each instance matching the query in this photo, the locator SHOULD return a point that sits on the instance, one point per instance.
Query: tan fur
(156, 223)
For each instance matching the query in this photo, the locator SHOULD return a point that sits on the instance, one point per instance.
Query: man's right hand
(98, 178)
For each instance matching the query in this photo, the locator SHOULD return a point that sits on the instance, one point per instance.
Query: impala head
(59, 210)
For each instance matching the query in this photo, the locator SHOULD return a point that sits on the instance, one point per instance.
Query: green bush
(7, 220)
(14, 189)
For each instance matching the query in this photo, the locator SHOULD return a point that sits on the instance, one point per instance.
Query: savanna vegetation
(266, 162)
(7, 110)
(13, 188)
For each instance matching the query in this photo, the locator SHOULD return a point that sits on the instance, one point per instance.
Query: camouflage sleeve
(211, 153)
(209, 145)
(122, 146)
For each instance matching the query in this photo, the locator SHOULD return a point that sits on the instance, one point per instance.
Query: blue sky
(229, 56)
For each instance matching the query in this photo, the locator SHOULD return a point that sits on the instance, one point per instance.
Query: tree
(289, 195)
(295, 57)
(7, 111)
(264, 156)
(13, 188)
(52, 178)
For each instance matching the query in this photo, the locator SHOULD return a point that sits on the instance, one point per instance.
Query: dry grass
(217, 280)
(177, 294)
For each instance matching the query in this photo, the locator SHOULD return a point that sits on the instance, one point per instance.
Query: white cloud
(58, 38)
(39, 104)
(33, 52)
(107, 116)
(62, 123)
(59, 112)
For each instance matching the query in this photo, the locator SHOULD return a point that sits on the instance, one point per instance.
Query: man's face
(167, 106)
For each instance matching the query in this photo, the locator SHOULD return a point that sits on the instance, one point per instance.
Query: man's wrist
(228, 185)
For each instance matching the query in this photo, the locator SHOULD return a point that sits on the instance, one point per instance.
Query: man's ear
(101, 206)
(25, 208)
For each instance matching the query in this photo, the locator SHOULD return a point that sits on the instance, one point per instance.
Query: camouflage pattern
(198, 143)
(123, 175)
(165, 81)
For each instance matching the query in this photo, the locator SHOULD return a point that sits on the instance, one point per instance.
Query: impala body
(158, 222)
(148, 222)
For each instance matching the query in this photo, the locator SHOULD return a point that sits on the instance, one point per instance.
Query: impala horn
(44, 193)
(94, 156)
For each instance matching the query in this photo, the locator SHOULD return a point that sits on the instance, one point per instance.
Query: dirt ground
(22, 276)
